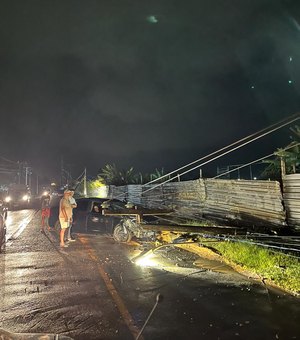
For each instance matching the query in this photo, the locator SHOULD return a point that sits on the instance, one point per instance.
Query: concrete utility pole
(84, 184)
(282, 165)
(37, 184)
(19, 172)
(26, 174)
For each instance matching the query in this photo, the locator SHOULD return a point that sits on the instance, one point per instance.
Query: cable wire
(226, 152)
(281, 123)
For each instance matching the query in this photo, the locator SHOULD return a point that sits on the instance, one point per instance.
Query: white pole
(84, 184)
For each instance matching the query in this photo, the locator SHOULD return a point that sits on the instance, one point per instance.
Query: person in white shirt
(73, 204)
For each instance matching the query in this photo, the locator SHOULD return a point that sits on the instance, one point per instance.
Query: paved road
(93, 290)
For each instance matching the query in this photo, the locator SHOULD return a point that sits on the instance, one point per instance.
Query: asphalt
(94, 290)
(47, 290)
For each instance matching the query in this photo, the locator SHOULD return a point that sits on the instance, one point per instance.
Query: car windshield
(82, 205)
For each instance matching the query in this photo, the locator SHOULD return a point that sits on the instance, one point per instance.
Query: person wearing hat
(65, 216)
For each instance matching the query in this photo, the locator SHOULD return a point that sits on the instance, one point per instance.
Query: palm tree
(287, 159)
(141, 178)
(127, 176)
(110, 175)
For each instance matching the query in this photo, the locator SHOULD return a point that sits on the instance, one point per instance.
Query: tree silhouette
(290, 156)
(110, 175)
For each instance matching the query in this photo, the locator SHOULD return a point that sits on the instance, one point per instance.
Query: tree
(141, 178)
(110, 175)
(287, 158)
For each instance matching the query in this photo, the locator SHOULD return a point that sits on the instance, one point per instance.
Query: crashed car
(89, 217)
(3, 216)
(122, 220)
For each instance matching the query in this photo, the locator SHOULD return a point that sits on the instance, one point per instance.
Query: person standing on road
(45, 212)
(73, 205)
(65, 216)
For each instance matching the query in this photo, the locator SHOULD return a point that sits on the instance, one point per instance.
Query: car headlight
(45, 193)
(7, 199)
(25, 198)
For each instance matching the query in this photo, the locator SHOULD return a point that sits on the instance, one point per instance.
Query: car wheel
(121, 234)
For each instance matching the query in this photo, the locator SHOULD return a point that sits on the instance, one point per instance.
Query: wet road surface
(93, 290)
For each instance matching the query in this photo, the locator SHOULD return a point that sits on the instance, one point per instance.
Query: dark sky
(147, 84)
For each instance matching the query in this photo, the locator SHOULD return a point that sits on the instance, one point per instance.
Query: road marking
(113, 291)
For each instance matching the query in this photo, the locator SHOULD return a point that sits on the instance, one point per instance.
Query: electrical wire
(255, 161)
(262, 132)
(269, 130)
(246, 140)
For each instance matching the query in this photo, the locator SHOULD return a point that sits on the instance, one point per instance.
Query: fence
(291, 196)
(242, 202)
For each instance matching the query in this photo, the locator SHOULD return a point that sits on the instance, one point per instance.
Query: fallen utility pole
(196, 229)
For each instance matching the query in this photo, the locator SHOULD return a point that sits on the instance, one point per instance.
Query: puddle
(215, 266)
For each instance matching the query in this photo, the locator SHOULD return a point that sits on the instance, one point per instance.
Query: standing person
(73, 205)
(65, 216)
(45, 212)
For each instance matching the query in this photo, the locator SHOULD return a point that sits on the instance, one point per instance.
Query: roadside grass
(273, 267)
(282, 270)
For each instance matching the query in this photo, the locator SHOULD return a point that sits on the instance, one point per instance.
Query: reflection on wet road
(16, 222)
(93, 290)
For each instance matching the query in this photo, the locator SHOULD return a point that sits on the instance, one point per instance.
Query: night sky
(148, 84)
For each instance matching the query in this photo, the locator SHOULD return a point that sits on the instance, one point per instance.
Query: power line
(244, 141)
(255, 161)
(8, 160)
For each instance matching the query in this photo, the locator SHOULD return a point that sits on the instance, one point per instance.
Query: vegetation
(95, 184)
(279, 268)
(275, 268)
(287, 158)
(111, 175)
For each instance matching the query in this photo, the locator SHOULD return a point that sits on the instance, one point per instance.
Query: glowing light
(25, 198)
(290, 81)
(146, 261)
(7, 199)
(291, 59)
(152, 19)
(252, 87)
